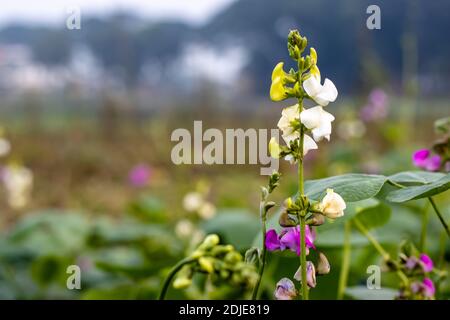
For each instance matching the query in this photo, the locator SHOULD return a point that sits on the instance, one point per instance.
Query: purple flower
(434, 163)
(428, 287)
(285, 290)
(289, 238)
(420, 158)
(272, 241)
(423, 159)
(377, 106)
(411, 263)
(426, 262)
(140, 175)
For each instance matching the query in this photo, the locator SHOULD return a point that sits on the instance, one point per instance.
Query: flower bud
(332, 205)
(210, 241)
(184, 278)
(313, 55)
(323, 266)
(252, 255)
(317, 220)
(310, 274)
(206, 264)
(286, 221)
(274, 148)
(182, 283)
(285, 290)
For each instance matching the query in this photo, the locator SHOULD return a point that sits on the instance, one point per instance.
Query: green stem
(441, 218)
(264, 253)
(171, 274)
(423, 233)
(433, 204)
(380, 249)
(301, 215)
(345, 268)
(303, 257)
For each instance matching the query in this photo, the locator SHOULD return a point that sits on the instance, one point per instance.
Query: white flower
(322, 94)
(207, 211)
(18, 182)
(288, 116)
(318, 121)
(192, 201)
(184, 228)
(5, 147)
(332, 205)
(290, 133)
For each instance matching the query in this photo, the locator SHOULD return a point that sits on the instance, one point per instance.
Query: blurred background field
(90, 113)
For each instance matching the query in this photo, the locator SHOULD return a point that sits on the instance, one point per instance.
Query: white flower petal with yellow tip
(318, 121)
(322, 94)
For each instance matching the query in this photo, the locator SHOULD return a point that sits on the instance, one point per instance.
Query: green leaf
(352, 187)
(416, 177)
(235, 227)
(363, 293)
(149, 209)
(419, 192)
(374, 217)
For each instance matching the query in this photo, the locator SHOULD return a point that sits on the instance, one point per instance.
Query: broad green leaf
(416, 177)
(419, 192)
(363, 293)
(374, 217)
(352, 187)
(236, 227)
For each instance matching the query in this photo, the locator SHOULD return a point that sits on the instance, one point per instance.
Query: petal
(308, 144)
(312, 86)
(420, 157)
(427, 263)
(272, 241)
(285, 290)
(311, 117)
(329, 91)
(433, 163)
(322, 131)
(277, 71)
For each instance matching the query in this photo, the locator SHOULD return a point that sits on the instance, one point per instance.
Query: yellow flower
(274, 148)
(277, 90)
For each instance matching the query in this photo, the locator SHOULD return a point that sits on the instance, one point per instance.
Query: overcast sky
(54, 11)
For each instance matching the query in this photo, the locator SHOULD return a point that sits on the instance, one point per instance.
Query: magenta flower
(426, 262)
(423, 159)
(420, 158)
(428, 287)
(139, 176)
(289, 238)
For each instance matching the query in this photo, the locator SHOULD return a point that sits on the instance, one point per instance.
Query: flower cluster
(222, 263)
(302, 128)
(418, 268)
(438, 158)
(305, 83)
